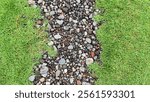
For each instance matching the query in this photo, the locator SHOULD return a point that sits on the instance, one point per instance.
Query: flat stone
(57, 36)
(32, 78)
(89, 61)
(62, 61)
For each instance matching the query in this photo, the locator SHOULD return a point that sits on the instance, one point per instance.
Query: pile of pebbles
(72, 33)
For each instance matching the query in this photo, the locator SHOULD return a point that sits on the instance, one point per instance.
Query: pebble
(61, 17)
(52, 13)
(31, 78)
(79, 82)
(89, 61)
(42, 79)
(60, 22)
(62, 61)
(88, 40)
(70, 47)
(85, 83)
(71, 80)
(44, 70)
(58, 74)
(50, 43)
(40, 1)
(57, 36)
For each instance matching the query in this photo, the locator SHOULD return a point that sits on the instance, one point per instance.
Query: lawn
(124, 37)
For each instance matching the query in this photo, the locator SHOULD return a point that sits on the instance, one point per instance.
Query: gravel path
(73, 35)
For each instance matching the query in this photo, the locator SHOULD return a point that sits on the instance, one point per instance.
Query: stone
(85, 83)
(78, 1)
(44, 70)
(31, 2)
(61, 16)
(62, 61)
(57, 36)
(88, 40)
(32, 78)
(47, 83)
(70, 47)
(79, 82)
(71, 80)
(52, 13)
(57, 74)
(89, 61)
(40, 1)
(65, 70)
(60, 22)
(42, 79)
(82, 69)
(50, 43)
(65, 9)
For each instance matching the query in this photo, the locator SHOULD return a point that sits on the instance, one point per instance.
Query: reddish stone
(92, 54)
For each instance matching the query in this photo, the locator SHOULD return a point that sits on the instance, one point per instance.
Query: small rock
(57, 74)
(89, 61)
(40, 1)
(50, 43)
(88, 40)
(44, 70)
(85, 83)
(71, 80)
(82, 69)
(47, 83)
(60, 22)
(65, 70)
(52, 13)
(61, 17)
(78, 82)
(62, 61)
(42, 79)
(31, 78)
(31, 2)
(70, 47)
(57, 36)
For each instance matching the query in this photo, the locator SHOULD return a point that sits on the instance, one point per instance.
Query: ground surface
(124, 38)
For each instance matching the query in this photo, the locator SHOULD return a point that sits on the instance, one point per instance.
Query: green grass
(20, 43)
(125, 40)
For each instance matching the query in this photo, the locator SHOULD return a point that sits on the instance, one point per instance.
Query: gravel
(72, 33)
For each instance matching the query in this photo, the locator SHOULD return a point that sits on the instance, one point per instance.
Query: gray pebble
(62, 61)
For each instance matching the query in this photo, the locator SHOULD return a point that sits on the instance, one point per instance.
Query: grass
(20, 43)
(125, 40)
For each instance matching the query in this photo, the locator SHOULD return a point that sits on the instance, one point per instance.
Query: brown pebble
(79, 82)
(92, 54)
